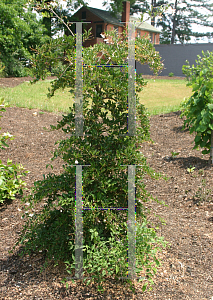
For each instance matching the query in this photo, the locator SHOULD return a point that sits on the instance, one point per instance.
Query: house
(102, 20)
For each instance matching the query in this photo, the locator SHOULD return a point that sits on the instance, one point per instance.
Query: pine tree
(177, 22)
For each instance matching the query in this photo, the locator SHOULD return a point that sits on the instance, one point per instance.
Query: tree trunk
(153, 10)
(174, 24)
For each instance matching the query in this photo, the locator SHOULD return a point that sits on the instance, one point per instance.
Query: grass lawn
(159, 96)
(35, 96)
(163, 95)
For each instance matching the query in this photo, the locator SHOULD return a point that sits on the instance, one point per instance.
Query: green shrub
(171, 74)
(10, 174)
(14, 67)
(10, 180)
(198, 108)
(57, 70)
(108, 258)
(105, 184)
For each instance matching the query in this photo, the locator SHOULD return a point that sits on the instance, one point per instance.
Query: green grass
(31, 96)
(163, 96)
(159, 96)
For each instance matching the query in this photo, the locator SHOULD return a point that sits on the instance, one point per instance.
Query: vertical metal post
(78, 224)
(79, 121)
(131, 168)
(131, 221)
(131, 81)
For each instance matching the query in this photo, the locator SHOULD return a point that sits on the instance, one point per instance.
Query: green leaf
(205, 151)
(206, 138)
(211, 126)
(116, 269)
(144, 287)
(201, 128)
(210, 106)
(197, 138)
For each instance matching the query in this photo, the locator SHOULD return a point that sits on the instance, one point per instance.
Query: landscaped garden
(186, 271)
(101, 209)
(173, 195)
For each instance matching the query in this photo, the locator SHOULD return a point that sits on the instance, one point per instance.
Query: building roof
(144, 26)
(105, 16)
(108, 18)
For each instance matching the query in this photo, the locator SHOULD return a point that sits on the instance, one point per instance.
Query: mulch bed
(186, 271)
(12, 82)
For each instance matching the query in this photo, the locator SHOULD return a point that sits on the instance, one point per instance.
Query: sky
(98, 4)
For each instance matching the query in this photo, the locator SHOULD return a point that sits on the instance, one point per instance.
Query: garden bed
(186, 271)
(14, 81)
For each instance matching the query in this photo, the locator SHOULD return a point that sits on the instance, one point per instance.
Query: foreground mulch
(186, 271)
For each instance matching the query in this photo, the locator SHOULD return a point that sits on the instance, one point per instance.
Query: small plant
(10, 174)
(191, 169)
(10, 180)
(203, 194)
(174, 154)
(201, 172)
(171, 74)
(4, 136)
(107, 256)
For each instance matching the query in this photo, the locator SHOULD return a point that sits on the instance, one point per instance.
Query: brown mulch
(186, 271)
(163, 77)
(14, 81)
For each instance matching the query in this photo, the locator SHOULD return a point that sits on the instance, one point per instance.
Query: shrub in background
(14, 67)
(198, 108)
(56, 71)
(51, 229)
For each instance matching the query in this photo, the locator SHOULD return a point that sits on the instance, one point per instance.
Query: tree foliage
(54, 11)
(20, 33)
(176, 22)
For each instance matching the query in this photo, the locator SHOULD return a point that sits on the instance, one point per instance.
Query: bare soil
(186, 271)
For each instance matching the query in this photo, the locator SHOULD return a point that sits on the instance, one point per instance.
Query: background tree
(142, 6)
(20, 33)
(177, 22)
(50, 20)
(22, 30)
